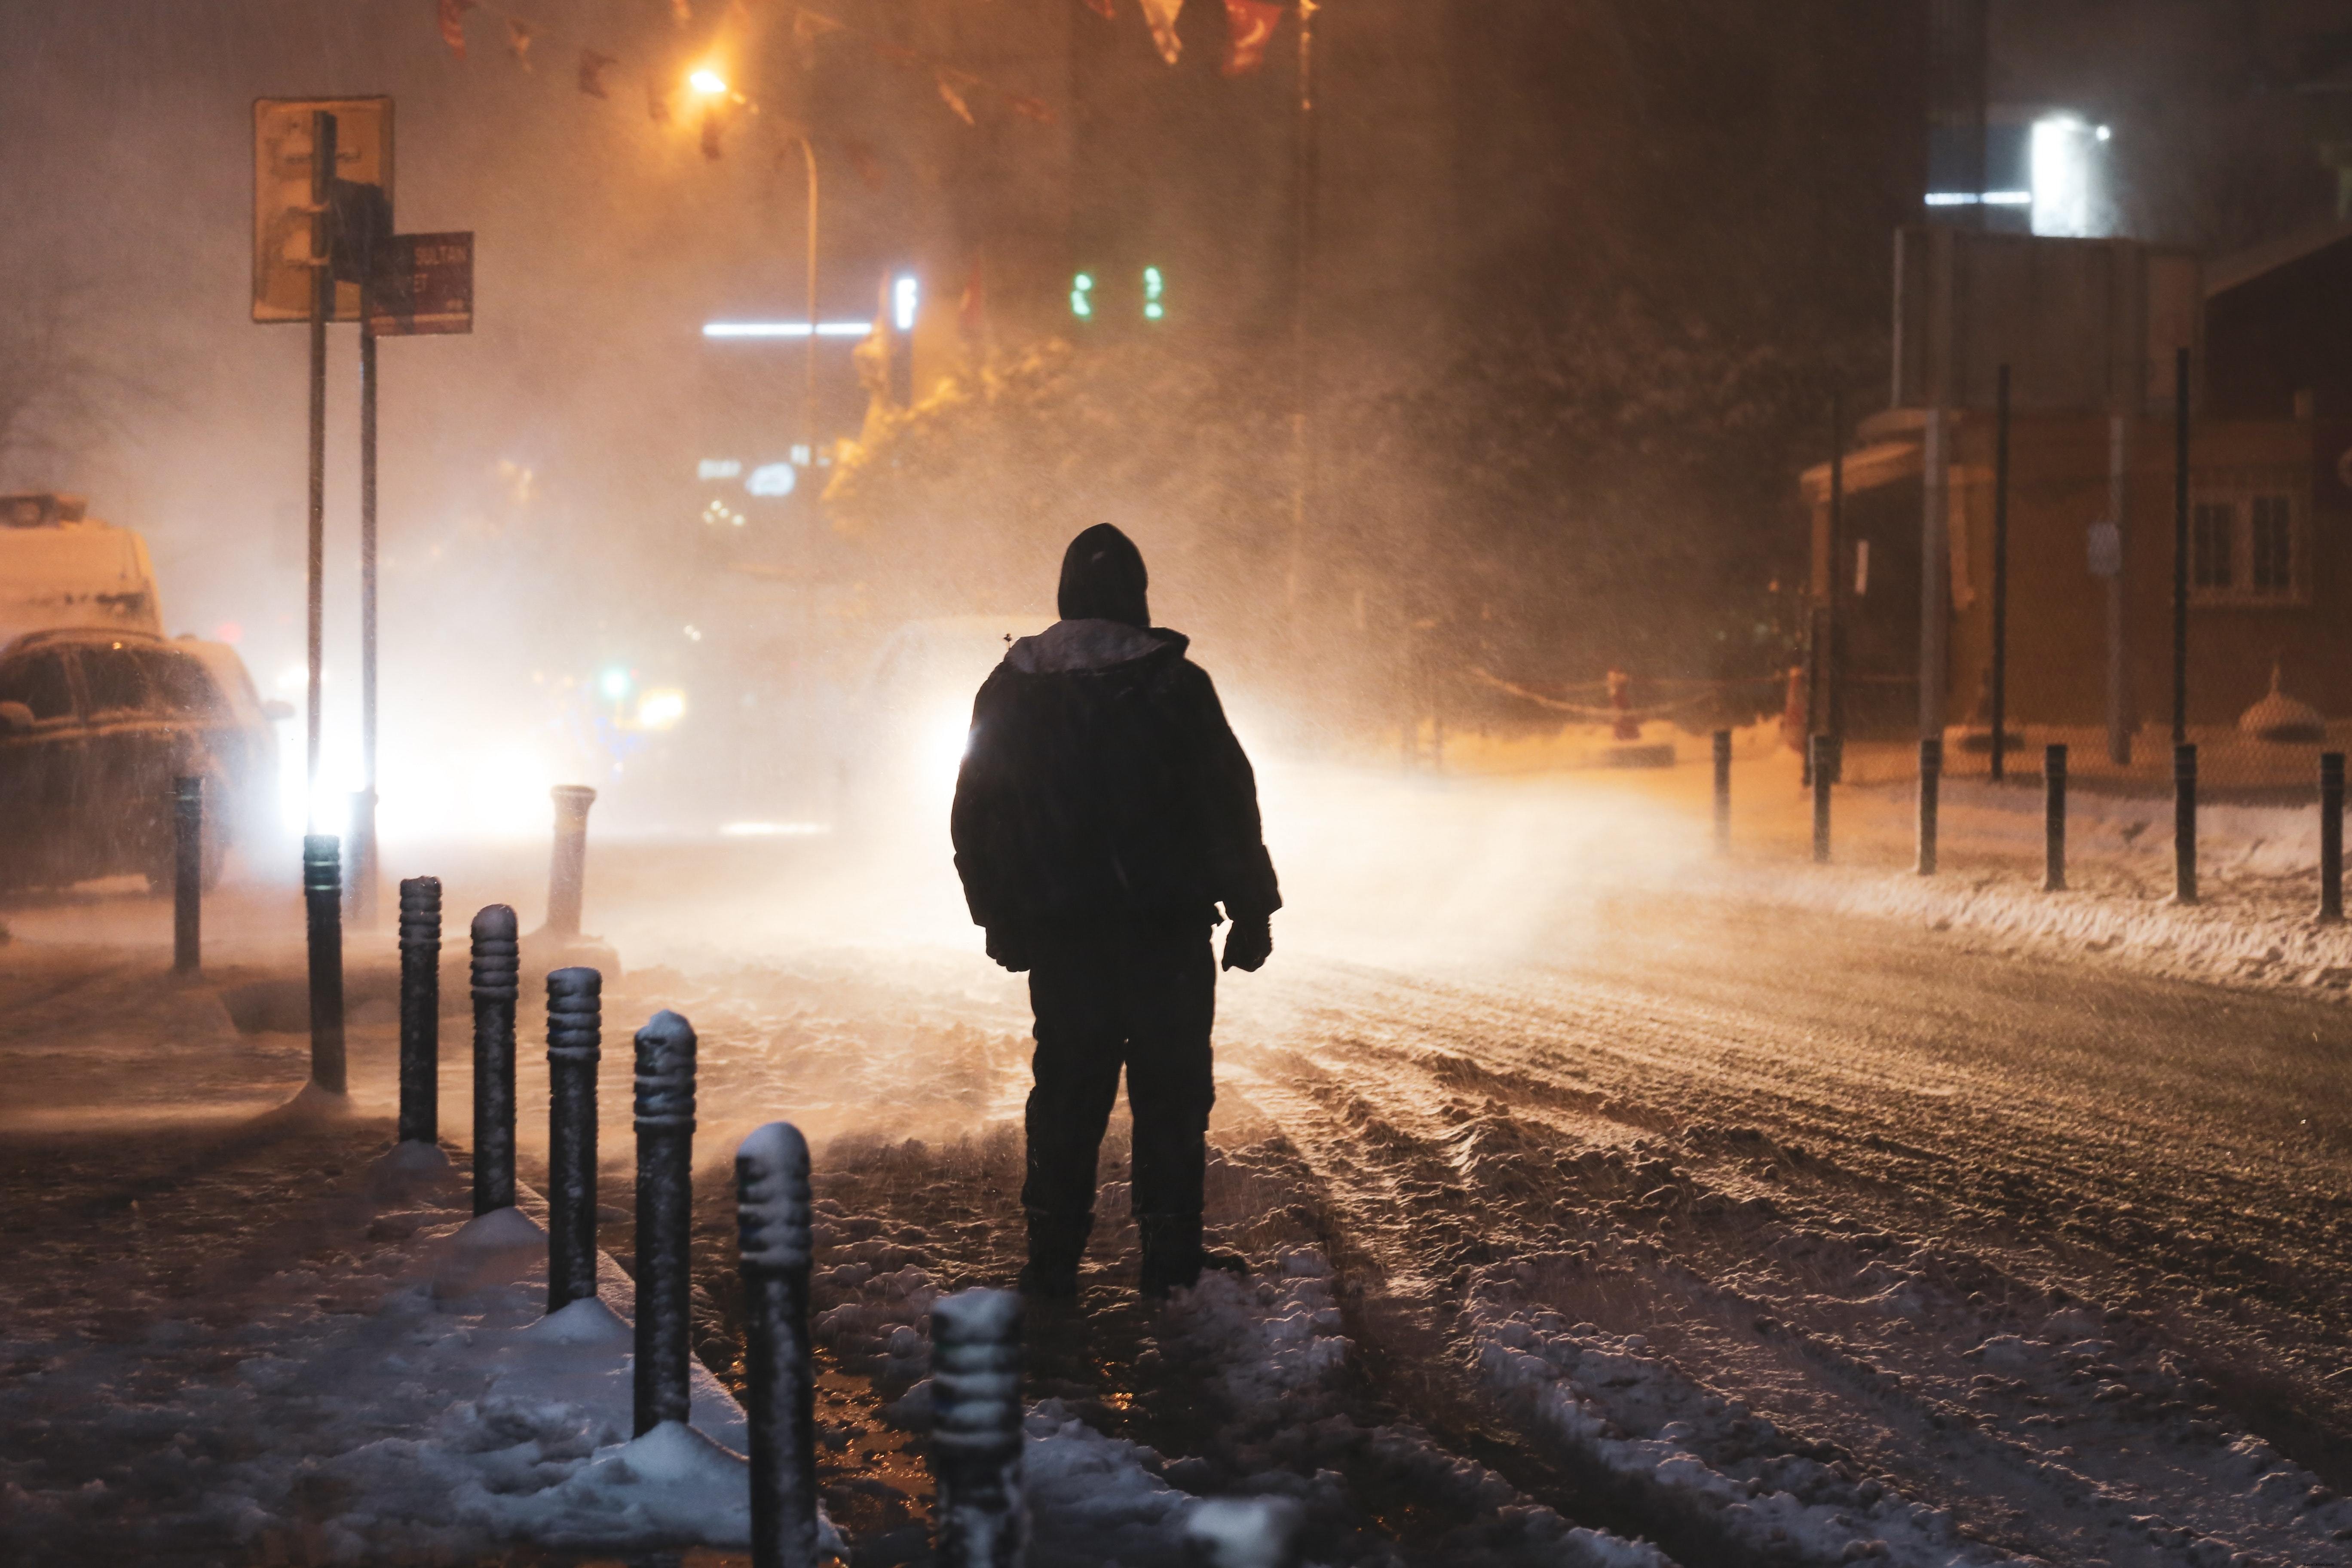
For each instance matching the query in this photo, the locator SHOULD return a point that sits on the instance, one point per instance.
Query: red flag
(954, 85)
(1163, 15)
(452, 23)
(1249, 27)
(591, 72)
(1103, 8)
(519, 42)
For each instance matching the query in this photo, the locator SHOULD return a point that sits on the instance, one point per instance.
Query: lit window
(2272, 529)
(717, 468)
(1082, 296)
(2212, 533)
(904, 296)
(2247, 542)
(1154, 288)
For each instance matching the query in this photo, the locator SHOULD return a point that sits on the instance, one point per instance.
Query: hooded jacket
(1101, 779)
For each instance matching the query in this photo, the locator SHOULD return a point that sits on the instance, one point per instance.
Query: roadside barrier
(2331, 838)
(2184, 823)
(2054, 819)
(1931, 778)
(771, 1189)
(665, 1203)
(575, 1037)
(322, 898)
(975, 1446)
(495, 964)
(420, 1010)
(187, 875)
(1723, 791)
(1818, 758)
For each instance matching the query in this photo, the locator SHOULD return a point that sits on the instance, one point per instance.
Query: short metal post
(187, 875)
(2054, 819)
(978, 1519)
(497, 980)
(567, 870)
(420, 1010)
(575, 1037)
(664, 1210)
(323, 896)
(771, 1187)
(1931, 789)
(2331, 836)
(1723, 791)
(2184, 823)
(1817, 757)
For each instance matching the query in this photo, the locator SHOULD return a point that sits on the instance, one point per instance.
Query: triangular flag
(1161, 15)
(1106, 9)
(1249, 27)
(591, 72)
(453, 25)
(519, 42)
(954, 85)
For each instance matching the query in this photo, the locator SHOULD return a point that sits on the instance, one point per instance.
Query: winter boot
(1172, 1257)
(1056, 1242)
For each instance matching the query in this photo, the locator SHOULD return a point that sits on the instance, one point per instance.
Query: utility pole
(2180, 547)
(322, 300)
(2001, 580)
(364, 852)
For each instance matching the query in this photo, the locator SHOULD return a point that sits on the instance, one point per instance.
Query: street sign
(423, 283)
(281, 194)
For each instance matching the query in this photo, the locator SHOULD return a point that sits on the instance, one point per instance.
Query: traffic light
(1082, 297)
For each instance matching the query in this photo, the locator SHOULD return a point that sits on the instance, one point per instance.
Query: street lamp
(708, 82)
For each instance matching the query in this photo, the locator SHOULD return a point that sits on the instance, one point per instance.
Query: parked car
(95, 725)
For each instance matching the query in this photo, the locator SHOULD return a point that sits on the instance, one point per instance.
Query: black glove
(1250, 942)
(1009, 945)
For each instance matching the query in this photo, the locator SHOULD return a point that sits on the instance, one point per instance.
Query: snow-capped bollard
(2054, 819)
(497, 980)
(322, 898)
(187, 875)
(771, 1189)
(1931, 792)
(1723, 791)
(567, 871)
(1243, 1533)
(574, 1036)
(977, 1514)
(2184, 823)
(1817, 757)
(2331, 838)
(420, 1010)
(664, 1210)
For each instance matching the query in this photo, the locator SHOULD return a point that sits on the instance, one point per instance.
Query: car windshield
(180, 685)
(114, 679)
(38, 681)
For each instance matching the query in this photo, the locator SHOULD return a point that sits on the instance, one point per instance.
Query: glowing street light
(708, 82)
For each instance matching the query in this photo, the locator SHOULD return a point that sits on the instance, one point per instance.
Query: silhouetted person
(1103, 812)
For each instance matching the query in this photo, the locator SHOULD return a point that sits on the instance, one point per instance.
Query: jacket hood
(1090, 644)
(1103, 579)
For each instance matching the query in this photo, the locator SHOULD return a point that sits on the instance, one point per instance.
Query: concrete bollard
(1931, 794)
(1723, 791)
(2184, 823)
(187, 875)
(496, 979)
(420, 1010)
(664, 1211)
(1817, 758)
(1243, 1533)
(771, 1189)
(322, 898)
(567, 872)
(978, 1517)
(2054, 819)
(575, 1039)
(2331, 838)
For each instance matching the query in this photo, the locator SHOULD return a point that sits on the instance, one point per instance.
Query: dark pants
(1137, 994)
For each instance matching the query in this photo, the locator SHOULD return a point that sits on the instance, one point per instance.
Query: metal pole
(1931, 779)
(322, 898)
(771, 1187)
(187, 874)
(976, 1430)
(808, 362)
(1935, 568)
(2184, 823)
(1303, 176)
(364, 850)
(574, 1035)
(2120, 720)
(1818, 755)
(1832, 660)
(1723, 791)
(2180, 547)
(420, 1010)
(2001, 579)
(567, 872)
(2054, 819)
(2331, 838)
(496, 978)
(664, 1211)
(322, 305)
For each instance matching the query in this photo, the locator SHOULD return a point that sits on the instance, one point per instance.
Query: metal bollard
(977, 1516)
(1817, 758)
(420, 1010)
(187, 875)
(323, 896)
(567, 872)
(574, 1036)
(1723, 791)
(664, 1210)
(2054, 819)
(2184, 823)
(496, 981)
(2331, 838)
(771, 1187)
(1931, 792)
